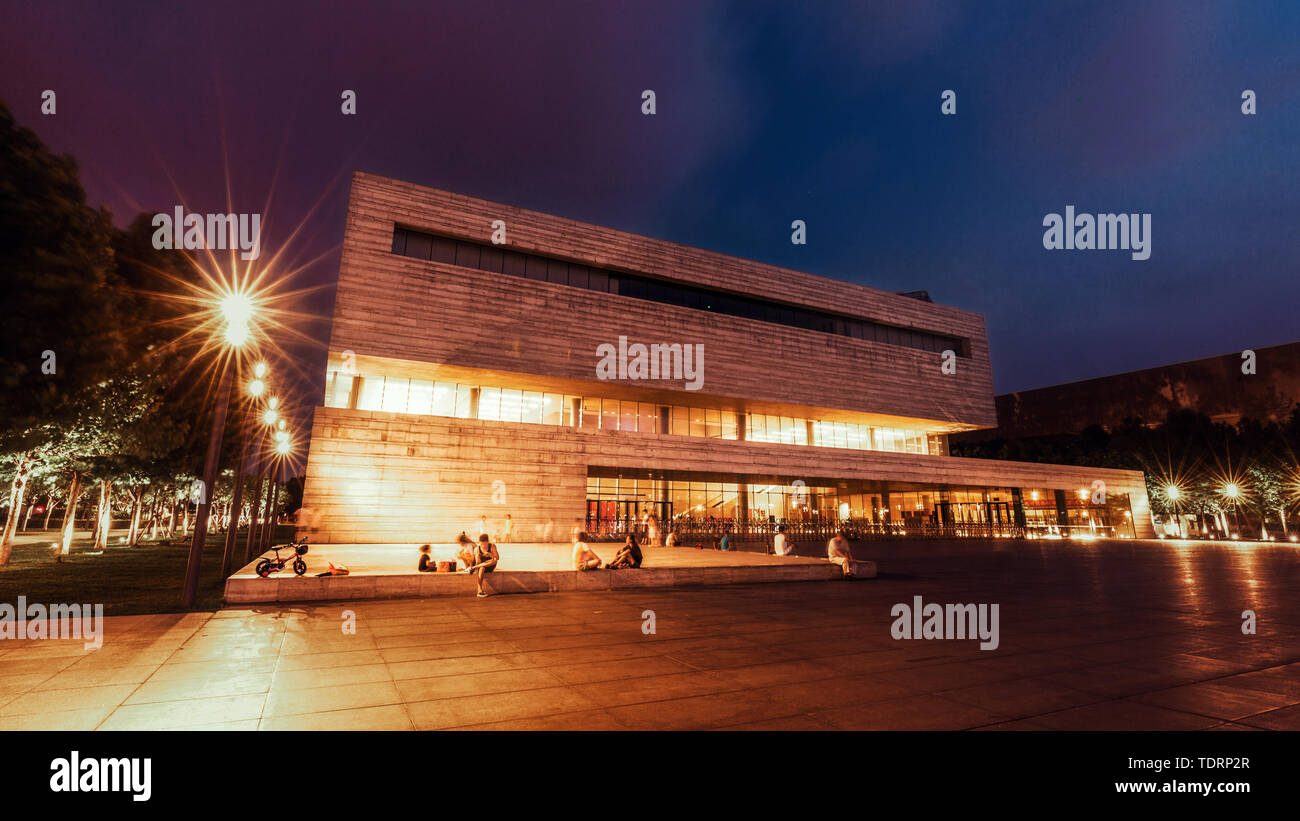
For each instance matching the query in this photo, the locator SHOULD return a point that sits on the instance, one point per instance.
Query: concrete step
(280, 587)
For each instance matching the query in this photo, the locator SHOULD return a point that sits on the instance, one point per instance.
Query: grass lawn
(126, 580)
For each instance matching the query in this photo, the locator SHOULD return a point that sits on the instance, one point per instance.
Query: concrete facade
(381, 476)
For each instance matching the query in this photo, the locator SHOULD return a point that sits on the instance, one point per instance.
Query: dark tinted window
(557, 272)
(444, 250)
(514, 264)
(417, 245)
(490, 260)
(466, 255)
(537, 268)
(420, 245)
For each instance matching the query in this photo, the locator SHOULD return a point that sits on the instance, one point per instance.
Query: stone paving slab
(1104, 636)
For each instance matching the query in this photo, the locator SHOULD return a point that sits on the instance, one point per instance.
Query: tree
(61, 333)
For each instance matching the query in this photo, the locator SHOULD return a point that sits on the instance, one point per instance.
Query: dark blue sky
(766, 113)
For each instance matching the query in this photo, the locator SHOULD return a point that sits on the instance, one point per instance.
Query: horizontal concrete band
(245, 589)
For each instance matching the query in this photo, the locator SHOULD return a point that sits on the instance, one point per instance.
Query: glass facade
(613, 502)
(393, 394)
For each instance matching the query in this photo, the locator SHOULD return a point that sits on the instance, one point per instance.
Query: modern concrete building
(487, 360)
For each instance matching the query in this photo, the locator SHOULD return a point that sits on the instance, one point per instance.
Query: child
(464, 550)
(427, 565)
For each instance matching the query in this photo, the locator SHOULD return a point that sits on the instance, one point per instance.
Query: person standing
(508, 529)
(482, 528)
(652, 534)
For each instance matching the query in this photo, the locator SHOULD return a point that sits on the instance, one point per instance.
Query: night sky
(766, 114)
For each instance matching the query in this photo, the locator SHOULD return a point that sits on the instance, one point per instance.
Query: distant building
(1214, 386)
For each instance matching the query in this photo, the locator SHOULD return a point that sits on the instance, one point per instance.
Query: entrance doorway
(618, 517)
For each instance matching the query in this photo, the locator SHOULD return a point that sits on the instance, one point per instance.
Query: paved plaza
(1095, 635)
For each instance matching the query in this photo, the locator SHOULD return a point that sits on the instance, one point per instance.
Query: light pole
(269, 417)
(1173, 494)
(282, 448)
(1233, 492)
(236, 310)
(256, 387)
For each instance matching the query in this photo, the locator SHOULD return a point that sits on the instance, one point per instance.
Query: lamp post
(1233, 492)
(269, 417)
(236, 309)
(256, 387)
(282, 448)
(1173, 494)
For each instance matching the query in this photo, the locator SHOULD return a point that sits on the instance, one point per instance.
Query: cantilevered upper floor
(429, 294)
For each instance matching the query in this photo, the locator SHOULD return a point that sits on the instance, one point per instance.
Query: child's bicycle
(266, 567)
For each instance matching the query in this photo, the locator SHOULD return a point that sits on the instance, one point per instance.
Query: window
(444, 251)
(591, 412)
(609, 414)
(422, 245)
(420, 399)
(512, 405)
(372, 392)
(489, 403)
(536, 268)
(464, 401)
(467, 255)
(728, 424)
(648, 421)
(557, 272)
(713, 423)
(418, 245)
(552, 409)
(627, 419)
(532, 408)
(681, 421)
(699, 427)
(444, 399)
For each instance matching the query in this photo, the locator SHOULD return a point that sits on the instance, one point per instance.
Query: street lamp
(255, 536)
(236, 312)
(256, 387)
(1233, 491)
(1173, 494)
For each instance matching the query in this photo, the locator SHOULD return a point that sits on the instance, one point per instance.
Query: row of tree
(100, 391)
(1247, 472)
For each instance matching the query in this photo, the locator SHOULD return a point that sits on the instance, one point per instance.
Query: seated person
(628, 556)
(485, 561)
(584, 558)
(464, 550)
(782, 545)
(837, 550)
(427, 565)
(672, 539)
(725, 542)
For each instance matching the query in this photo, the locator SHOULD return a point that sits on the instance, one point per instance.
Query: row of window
(426, 397)
(618, 498)
(497, 259)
